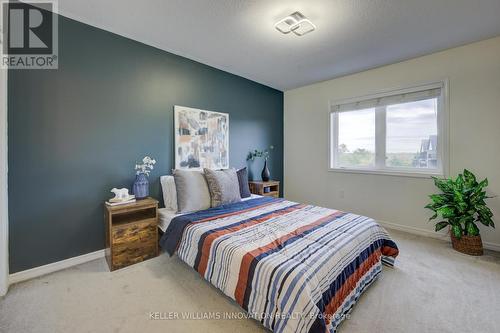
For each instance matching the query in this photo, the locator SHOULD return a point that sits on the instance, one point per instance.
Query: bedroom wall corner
(473, 72)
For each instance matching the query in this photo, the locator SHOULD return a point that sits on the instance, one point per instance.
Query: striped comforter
(294, 267)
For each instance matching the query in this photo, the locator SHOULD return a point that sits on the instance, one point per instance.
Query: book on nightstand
(118, 203)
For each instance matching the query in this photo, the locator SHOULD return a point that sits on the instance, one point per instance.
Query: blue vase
(141, 186)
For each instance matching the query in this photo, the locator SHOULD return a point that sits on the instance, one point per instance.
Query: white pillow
(169, 192)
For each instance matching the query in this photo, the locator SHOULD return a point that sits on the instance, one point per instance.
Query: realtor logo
(29, 35)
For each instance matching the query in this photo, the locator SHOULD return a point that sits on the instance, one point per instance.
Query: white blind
(389, 100)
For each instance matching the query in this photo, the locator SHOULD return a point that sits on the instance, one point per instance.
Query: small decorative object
(462, 205)
(141, 183)
(121, 197)
(201, 138)
(120, 193)
(266, 175)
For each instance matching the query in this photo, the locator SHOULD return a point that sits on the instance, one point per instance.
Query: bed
(166, 215)
(294, 267)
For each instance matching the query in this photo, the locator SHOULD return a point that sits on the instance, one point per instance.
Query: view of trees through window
(410, 136)
(357, 138)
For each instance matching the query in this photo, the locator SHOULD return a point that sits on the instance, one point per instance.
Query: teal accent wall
(77, 132)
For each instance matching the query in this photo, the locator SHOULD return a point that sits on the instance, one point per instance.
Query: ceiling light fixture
(296, 23)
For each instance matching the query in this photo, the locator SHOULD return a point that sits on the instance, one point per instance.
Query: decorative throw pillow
(192, 191)
(243, 182)
(169, 192)
(223, 186)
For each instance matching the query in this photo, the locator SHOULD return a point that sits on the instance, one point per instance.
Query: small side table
(131, 232)
(270, 188)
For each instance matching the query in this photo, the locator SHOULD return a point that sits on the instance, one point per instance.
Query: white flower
(146, 166)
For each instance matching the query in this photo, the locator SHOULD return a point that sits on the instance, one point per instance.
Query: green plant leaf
(483, 210)
(438, 198)
(464, 219)
(442, 184)
(469, 177)
(446, 212)
(459, 182)
(484, 221)
(457, 231)
(472, 229)
(441, 225)
(459, 201)
(429, 206)
(483, 184)
(488, 221)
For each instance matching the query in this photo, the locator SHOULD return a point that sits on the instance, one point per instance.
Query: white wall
(474, 131)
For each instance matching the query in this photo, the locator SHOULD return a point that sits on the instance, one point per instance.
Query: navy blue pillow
(243, 181)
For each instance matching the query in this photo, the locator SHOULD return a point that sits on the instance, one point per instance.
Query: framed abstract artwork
(201, 138)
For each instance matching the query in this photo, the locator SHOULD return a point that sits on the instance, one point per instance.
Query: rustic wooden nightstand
(270, 188)
(131, 232)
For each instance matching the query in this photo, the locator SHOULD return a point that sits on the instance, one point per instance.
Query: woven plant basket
(471, 245)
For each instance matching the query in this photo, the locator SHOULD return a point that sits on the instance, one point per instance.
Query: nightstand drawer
(131, 253)
(136, 232)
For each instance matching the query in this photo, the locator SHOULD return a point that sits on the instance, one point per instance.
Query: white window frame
(380, 132)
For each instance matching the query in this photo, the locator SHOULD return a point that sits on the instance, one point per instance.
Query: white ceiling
(238, 35)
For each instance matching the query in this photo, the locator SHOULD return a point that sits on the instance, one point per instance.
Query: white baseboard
(431, 234)
(54, 267)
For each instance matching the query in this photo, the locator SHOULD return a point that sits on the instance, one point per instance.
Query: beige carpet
(432, 289)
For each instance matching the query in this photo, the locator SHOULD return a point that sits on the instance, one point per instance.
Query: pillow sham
(243, 182)
(223, 186)
(169, 192)
(192, 191)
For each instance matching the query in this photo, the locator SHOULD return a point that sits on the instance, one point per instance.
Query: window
(401, 132)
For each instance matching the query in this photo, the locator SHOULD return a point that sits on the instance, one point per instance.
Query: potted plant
(461, 206)
(141, 183)
(266, 175)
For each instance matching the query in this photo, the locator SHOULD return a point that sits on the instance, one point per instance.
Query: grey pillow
(243, 181)
(192, 191)
(223, 186)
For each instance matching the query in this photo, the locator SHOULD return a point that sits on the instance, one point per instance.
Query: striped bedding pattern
(293, 267)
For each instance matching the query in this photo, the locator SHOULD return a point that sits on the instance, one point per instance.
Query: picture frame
(201, 138)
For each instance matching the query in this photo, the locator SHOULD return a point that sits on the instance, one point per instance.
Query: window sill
(410, 174)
